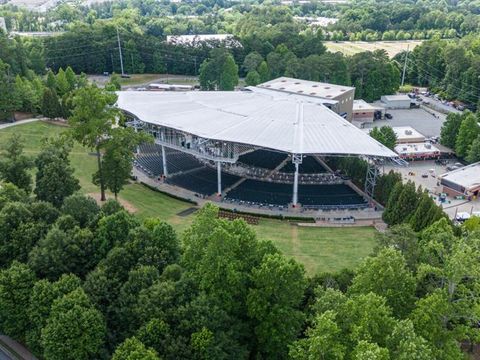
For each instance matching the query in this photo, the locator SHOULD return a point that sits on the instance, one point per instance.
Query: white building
(193, 40)
(407, 134)
(400, 101)
(339, 98)
(417, 151)
(463, 181)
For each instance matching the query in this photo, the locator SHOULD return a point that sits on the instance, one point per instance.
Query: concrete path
(20, 122)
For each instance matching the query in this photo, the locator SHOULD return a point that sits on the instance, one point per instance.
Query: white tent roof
(265, 120)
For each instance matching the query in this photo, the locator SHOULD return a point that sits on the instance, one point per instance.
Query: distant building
(396, 101)
(170, 87)
(364, 112)
(407, 134)
(227, 39)
(463, 181)
(338, 98)
(417, 151)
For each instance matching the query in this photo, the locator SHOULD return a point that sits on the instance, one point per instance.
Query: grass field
(319, 249)
(354, 47)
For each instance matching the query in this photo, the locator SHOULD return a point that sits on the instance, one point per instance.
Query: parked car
(388, 116)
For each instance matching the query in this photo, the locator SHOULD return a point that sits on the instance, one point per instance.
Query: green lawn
(319, 249)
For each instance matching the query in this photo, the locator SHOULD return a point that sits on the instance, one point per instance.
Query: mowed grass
(319, 249)
(353, 47)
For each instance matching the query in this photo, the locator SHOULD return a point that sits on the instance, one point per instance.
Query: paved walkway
(20, 122)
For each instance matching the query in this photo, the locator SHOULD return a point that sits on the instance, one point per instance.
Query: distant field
(354, 47)
(319, 249)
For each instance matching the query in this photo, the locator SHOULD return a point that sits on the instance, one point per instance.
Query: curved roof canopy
(265, 119)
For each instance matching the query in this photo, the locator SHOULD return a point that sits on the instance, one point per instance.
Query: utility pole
(405, 66)
(120, 52)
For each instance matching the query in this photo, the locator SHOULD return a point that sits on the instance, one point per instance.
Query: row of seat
(202, 181)
(250, 219)
(260, 192)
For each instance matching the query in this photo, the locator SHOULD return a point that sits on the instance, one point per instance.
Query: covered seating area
(272, 142)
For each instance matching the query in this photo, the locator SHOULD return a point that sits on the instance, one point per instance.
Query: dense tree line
(96, 282)
(450, 68)
(461, 132)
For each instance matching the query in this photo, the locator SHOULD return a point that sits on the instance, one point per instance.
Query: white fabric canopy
(269, 120)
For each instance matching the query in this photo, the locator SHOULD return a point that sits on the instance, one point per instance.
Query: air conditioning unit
(408, 132)
(428, 146)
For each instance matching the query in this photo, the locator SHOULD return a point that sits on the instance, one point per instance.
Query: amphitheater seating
(309, 165)
(151, 161)
(328, 195)
(268, 193)
(262, 192)
(263, 159)
(202, 181)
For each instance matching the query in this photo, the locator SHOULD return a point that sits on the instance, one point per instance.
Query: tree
(43, 294)
(474, 152)
(63, 86)
(401, 203)
(385, 135)
(15, 166)
(51, 107)
(450, 128)
(252, 62)
(369, 351)
(264, 72)
(71, 78)
(219, 72)
(62, 252)
(468, 132)
(405, 240)
(9, 97)
(54, 180)
(74, 329)
(118, 157)
(278, 286)
(51, 81)
(16, 284)
(253, 78)
(133, 349)
(387, 275)
(82, 208)
(91, 122)
(114, 83)
(323, 340)
(427, 213)
(404, 344)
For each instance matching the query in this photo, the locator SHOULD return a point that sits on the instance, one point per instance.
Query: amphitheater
(256, 150)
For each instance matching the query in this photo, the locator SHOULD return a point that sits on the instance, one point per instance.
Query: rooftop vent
(284, 80)
(314, 85)
(328, 96)
(297, 83)
(408, 132)
(300, 91)
(267, 85)
(428, 146)
(313, 93)
(327, 87)
(282, 88)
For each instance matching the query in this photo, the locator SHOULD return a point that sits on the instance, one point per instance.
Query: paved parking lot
(420, 119)
(414, 172)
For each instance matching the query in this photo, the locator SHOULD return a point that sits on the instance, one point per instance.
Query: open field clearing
(354, 47)
(319, 249)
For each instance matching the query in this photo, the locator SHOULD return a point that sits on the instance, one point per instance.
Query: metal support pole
(120, 52)
(371, 178)
(219, 178)
(295, 186)
(164, 161)
(297, 160)
(405, 66)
